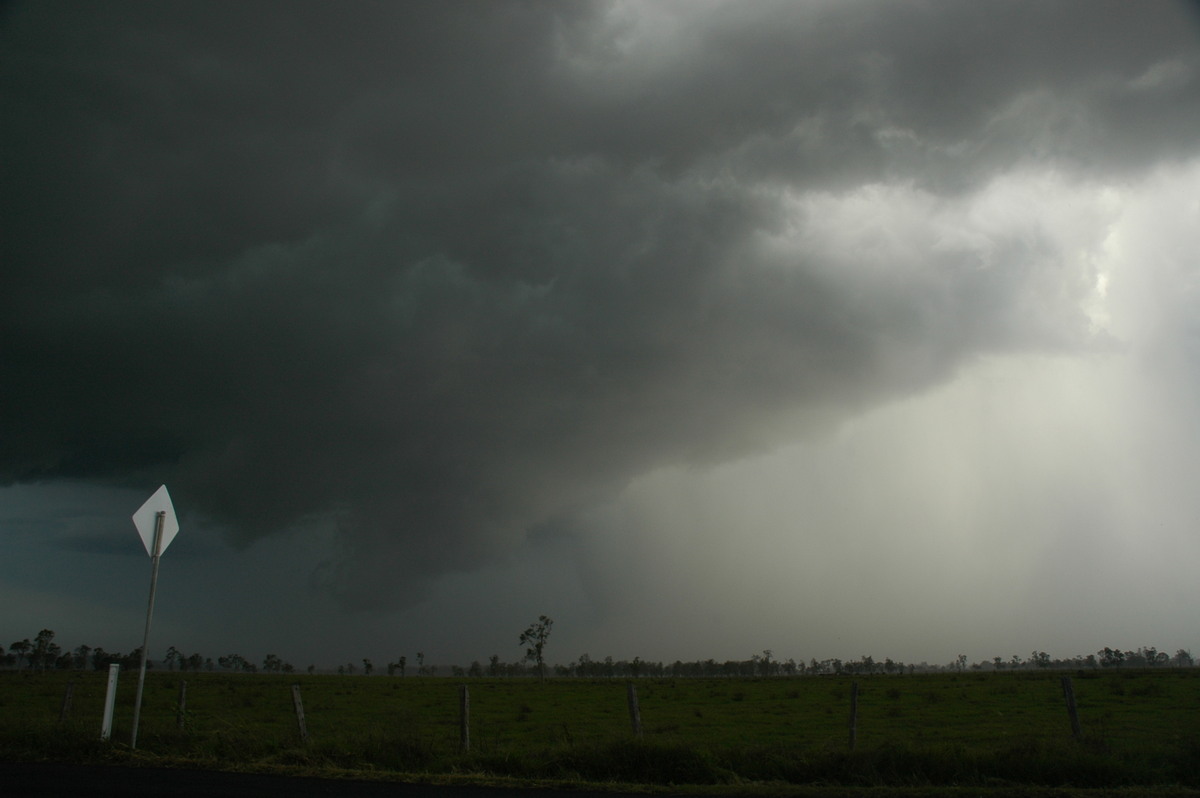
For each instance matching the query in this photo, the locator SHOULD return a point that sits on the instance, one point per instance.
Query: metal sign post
(156, 523)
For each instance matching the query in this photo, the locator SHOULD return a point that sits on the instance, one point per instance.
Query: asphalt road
(21, 779)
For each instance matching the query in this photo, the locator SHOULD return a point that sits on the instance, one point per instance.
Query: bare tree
(534, 639)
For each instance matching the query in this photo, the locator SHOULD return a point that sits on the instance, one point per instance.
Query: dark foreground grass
(983, 731)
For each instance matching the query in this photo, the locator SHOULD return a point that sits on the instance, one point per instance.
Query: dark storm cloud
(443, 273)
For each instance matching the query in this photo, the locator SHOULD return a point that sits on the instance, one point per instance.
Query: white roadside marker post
(110, 700)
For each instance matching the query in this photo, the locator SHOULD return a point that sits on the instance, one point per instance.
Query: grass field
(1141, 727)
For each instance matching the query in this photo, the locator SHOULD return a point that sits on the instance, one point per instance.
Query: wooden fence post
(853, 714)
(299, 713)
(635, 714)
(66, 704)
(1072, 712)
(182, 708)
(464, 706)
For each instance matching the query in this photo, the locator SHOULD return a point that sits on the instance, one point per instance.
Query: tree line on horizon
(43, 653)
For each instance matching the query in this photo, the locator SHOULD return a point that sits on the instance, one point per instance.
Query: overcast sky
(834, 328)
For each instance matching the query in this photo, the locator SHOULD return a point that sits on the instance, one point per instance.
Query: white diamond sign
(146, 516)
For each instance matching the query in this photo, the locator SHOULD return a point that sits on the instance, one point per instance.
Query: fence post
(464, 711)
(635, 714)
(299, 713)
(66, 704)
(853, 714)
(179, 712)
(1072, 712)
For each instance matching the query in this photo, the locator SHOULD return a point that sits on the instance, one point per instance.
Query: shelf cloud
(452, 280)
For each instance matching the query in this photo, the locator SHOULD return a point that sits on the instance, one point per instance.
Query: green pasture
(1141, 727)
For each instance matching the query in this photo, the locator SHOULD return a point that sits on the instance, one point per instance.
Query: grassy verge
(918, 736)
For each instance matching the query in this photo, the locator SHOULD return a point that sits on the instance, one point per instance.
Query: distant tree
(494, 666)
(44, 651)
(1154, 657)
(1040, 659)
(81, 657)
(41, 655)
(133, 660)
(272, 664)
(534, 639)
(312, 669)
(173, 656)
(195, 662)
(476, 669)
(402, 663)
(367, 666)
(998, 662)
(20, 649)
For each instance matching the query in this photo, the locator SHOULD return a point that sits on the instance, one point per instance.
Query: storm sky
(833, 328)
